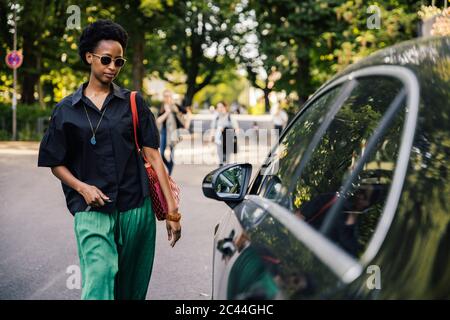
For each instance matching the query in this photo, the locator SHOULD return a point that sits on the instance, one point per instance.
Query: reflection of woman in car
(314, 211)
(345, 230)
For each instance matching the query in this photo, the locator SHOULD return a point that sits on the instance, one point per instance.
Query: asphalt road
(37, 241)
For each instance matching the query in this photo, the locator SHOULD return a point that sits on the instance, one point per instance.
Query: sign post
(14, 60)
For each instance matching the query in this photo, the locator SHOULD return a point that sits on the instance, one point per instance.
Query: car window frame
(345, 266)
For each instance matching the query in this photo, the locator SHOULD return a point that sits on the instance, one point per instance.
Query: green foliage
(291, 46)
(304, 43)
(27, 121)
(194, 38)
(228, 89)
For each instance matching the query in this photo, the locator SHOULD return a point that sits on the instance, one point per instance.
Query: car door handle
(226, 246)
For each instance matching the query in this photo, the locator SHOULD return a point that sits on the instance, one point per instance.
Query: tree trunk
(266, 99)
(28, 73)
(303, 78)
(191, 82)
(29, 82)
(138, 65)
(41, 94)
(189, 96)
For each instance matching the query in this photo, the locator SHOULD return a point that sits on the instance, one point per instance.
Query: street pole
(14, 101)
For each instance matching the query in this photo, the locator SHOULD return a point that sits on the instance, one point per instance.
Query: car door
(235, 260)
(315, 207)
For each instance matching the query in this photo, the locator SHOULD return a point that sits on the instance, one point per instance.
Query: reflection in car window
(314, 191)
(288, 153)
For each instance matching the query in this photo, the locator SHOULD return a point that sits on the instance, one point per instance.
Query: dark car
(354, 201)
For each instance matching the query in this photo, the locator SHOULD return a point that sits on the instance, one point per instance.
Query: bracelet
(174, 216)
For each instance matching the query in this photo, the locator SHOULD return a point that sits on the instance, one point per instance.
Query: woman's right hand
(93, 196)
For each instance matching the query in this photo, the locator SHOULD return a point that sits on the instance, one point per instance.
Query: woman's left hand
(173, 232)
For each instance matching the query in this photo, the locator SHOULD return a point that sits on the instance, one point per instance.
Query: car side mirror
(228, 183)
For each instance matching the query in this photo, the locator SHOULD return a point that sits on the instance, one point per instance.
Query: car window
(311, 188)
(288, 152)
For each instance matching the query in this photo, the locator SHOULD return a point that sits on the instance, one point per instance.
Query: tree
(197, 37)
(304, 43)
(35, 36)
(286, 32)
(259, 50)
(139, 18)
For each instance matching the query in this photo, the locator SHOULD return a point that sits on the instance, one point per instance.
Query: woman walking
(90, 147)
(224, 129)
(170, 119)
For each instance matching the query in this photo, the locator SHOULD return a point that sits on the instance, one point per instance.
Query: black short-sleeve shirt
(112, 164)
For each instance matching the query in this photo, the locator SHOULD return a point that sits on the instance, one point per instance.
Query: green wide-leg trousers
(116, 252)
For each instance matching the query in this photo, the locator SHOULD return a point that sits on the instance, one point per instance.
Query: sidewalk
(19, 147)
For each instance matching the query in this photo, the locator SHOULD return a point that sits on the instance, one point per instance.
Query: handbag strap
(135, 118)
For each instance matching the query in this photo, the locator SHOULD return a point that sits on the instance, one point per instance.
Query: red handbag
(159, 203)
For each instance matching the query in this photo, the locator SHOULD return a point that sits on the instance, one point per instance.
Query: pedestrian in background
(222, 122)
(279, 117)
(170, 118)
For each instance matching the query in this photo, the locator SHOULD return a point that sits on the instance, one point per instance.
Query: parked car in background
(354, 201)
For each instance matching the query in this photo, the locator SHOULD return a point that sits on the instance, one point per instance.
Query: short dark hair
(100, 30)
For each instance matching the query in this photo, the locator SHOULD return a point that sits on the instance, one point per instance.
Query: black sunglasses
(106, 60)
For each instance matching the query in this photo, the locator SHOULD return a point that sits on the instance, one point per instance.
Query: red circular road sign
(14, 59)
